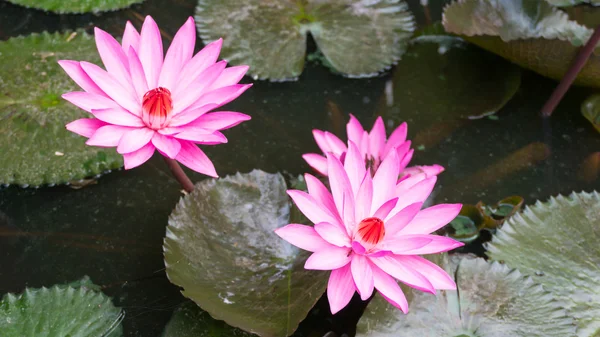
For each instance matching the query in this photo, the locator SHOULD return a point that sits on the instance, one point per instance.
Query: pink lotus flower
(142, 102)
(369, 230)
(372, 146)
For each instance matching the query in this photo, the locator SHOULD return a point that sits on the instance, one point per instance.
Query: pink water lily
(373, 146)
(143, 102)
(369, 230)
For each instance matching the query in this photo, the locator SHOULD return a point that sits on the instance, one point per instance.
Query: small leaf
(222, 250)
(590, 109)
(270, 35)
(76, 6)
(491, 301)
(556, 242)
(466, 226)
(569, 3)
(74, 310)
(532, 34)
(494, 216)
(35, 147)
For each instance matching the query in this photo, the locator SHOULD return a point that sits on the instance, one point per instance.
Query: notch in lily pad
(356, 38)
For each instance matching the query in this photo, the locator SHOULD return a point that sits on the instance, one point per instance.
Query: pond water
(113, 231)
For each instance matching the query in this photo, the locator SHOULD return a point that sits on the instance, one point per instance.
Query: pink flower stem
(571, 74)
(181, 177)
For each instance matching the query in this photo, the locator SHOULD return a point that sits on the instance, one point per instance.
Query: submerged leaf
(556, 242)
(222, 250)
(270, 35)
(532, 34)
(590, 108)
(35, 146)
(76, 6)
(491, 301)
(190, 321)
(74, 310)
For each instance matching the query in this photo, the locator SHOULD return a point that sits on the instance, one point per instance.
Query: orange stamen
(371, 230)
(158, 103)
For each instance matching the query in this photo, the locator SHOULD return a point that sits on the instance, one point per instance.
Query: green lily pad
(568, 3)
(466, 226)
(221, 249)
(494, 216)
(76, 6)
(190, 321)
(74, 310)
(556, 242)
(466, 82)
(532, 34)
(491, 301)
(35, 146)
(590, 108)
(271, 35)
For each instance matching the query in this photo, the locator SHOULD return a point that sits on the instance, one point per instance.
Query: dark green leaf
(76, 6)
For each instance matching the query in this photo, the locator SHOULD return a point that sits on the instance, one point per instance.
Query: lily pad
(466, 82)
(74, 310)
(491, 301)
(271, 35)
(221, 249)
(495, 216)
(76, 6)
(466, 226)
(568, 3)
(556, 242)
(590, 109)
(532, 34)
(35, 146)
(190, 321)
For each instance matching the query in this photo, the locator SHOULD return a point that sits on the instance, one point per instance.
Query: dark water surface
(113, 230)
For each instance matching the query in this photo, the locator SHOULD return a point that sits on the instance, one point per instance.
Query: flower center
(371, 230)
(156, 107)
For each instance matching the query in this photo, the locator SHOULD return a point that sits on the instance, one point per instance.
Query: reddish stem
(181, 177)
(571, 74)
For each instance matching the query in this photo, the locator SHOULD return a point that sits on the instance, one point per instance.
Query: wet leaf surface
(76, 6)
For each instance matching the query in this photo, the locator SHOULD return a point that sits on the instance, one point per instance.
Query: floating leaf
(35, 147)
(221, 249)
(556, 242)
(270, 35)
(190, 321)
(74, 310)
(494, 216)
(76, 6)
(532, 34)
(568, 3)
(491, 301)
(590, 108)
(466, 226)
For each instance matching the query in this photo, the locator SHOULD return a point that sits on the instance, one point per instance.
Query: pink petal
(186, 117)
(201, 136)
(429, 171)
(384, 181)
(354, 130)
(313, 210)
(151, 51)
(118, 116)
(168, 146)
(320, 193)
(436, 275)
(432, 219)
(137, 158)
(355, 166)
(385, 209)
(192, 69)
(220, 96)
(402, 218)
(341, 190)
(335, 144)
(113, 57)
(377, 139)
(74, 70)
(438, 244)
(194, 158)
(402, 150)
(229, 76)
(389, 289)
(328, 259)
(131, 38)
(303, 237)
(112, 88)
(362, 275)
(317, 162)
(340, 288)
(85, 126)
(406, 160)
(334, 234)
(416, 193)
(402, 244)
(321, 141)
(185, 98)
(138, 78)
(178, 54)
(134, 140)
(88, 101)
(405, 275)
(107, 136)
(220, 120)
(396, 139)
(364, 197)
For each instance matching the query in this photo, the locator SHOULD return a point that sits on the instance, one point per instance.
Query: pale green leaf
(76, 6)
